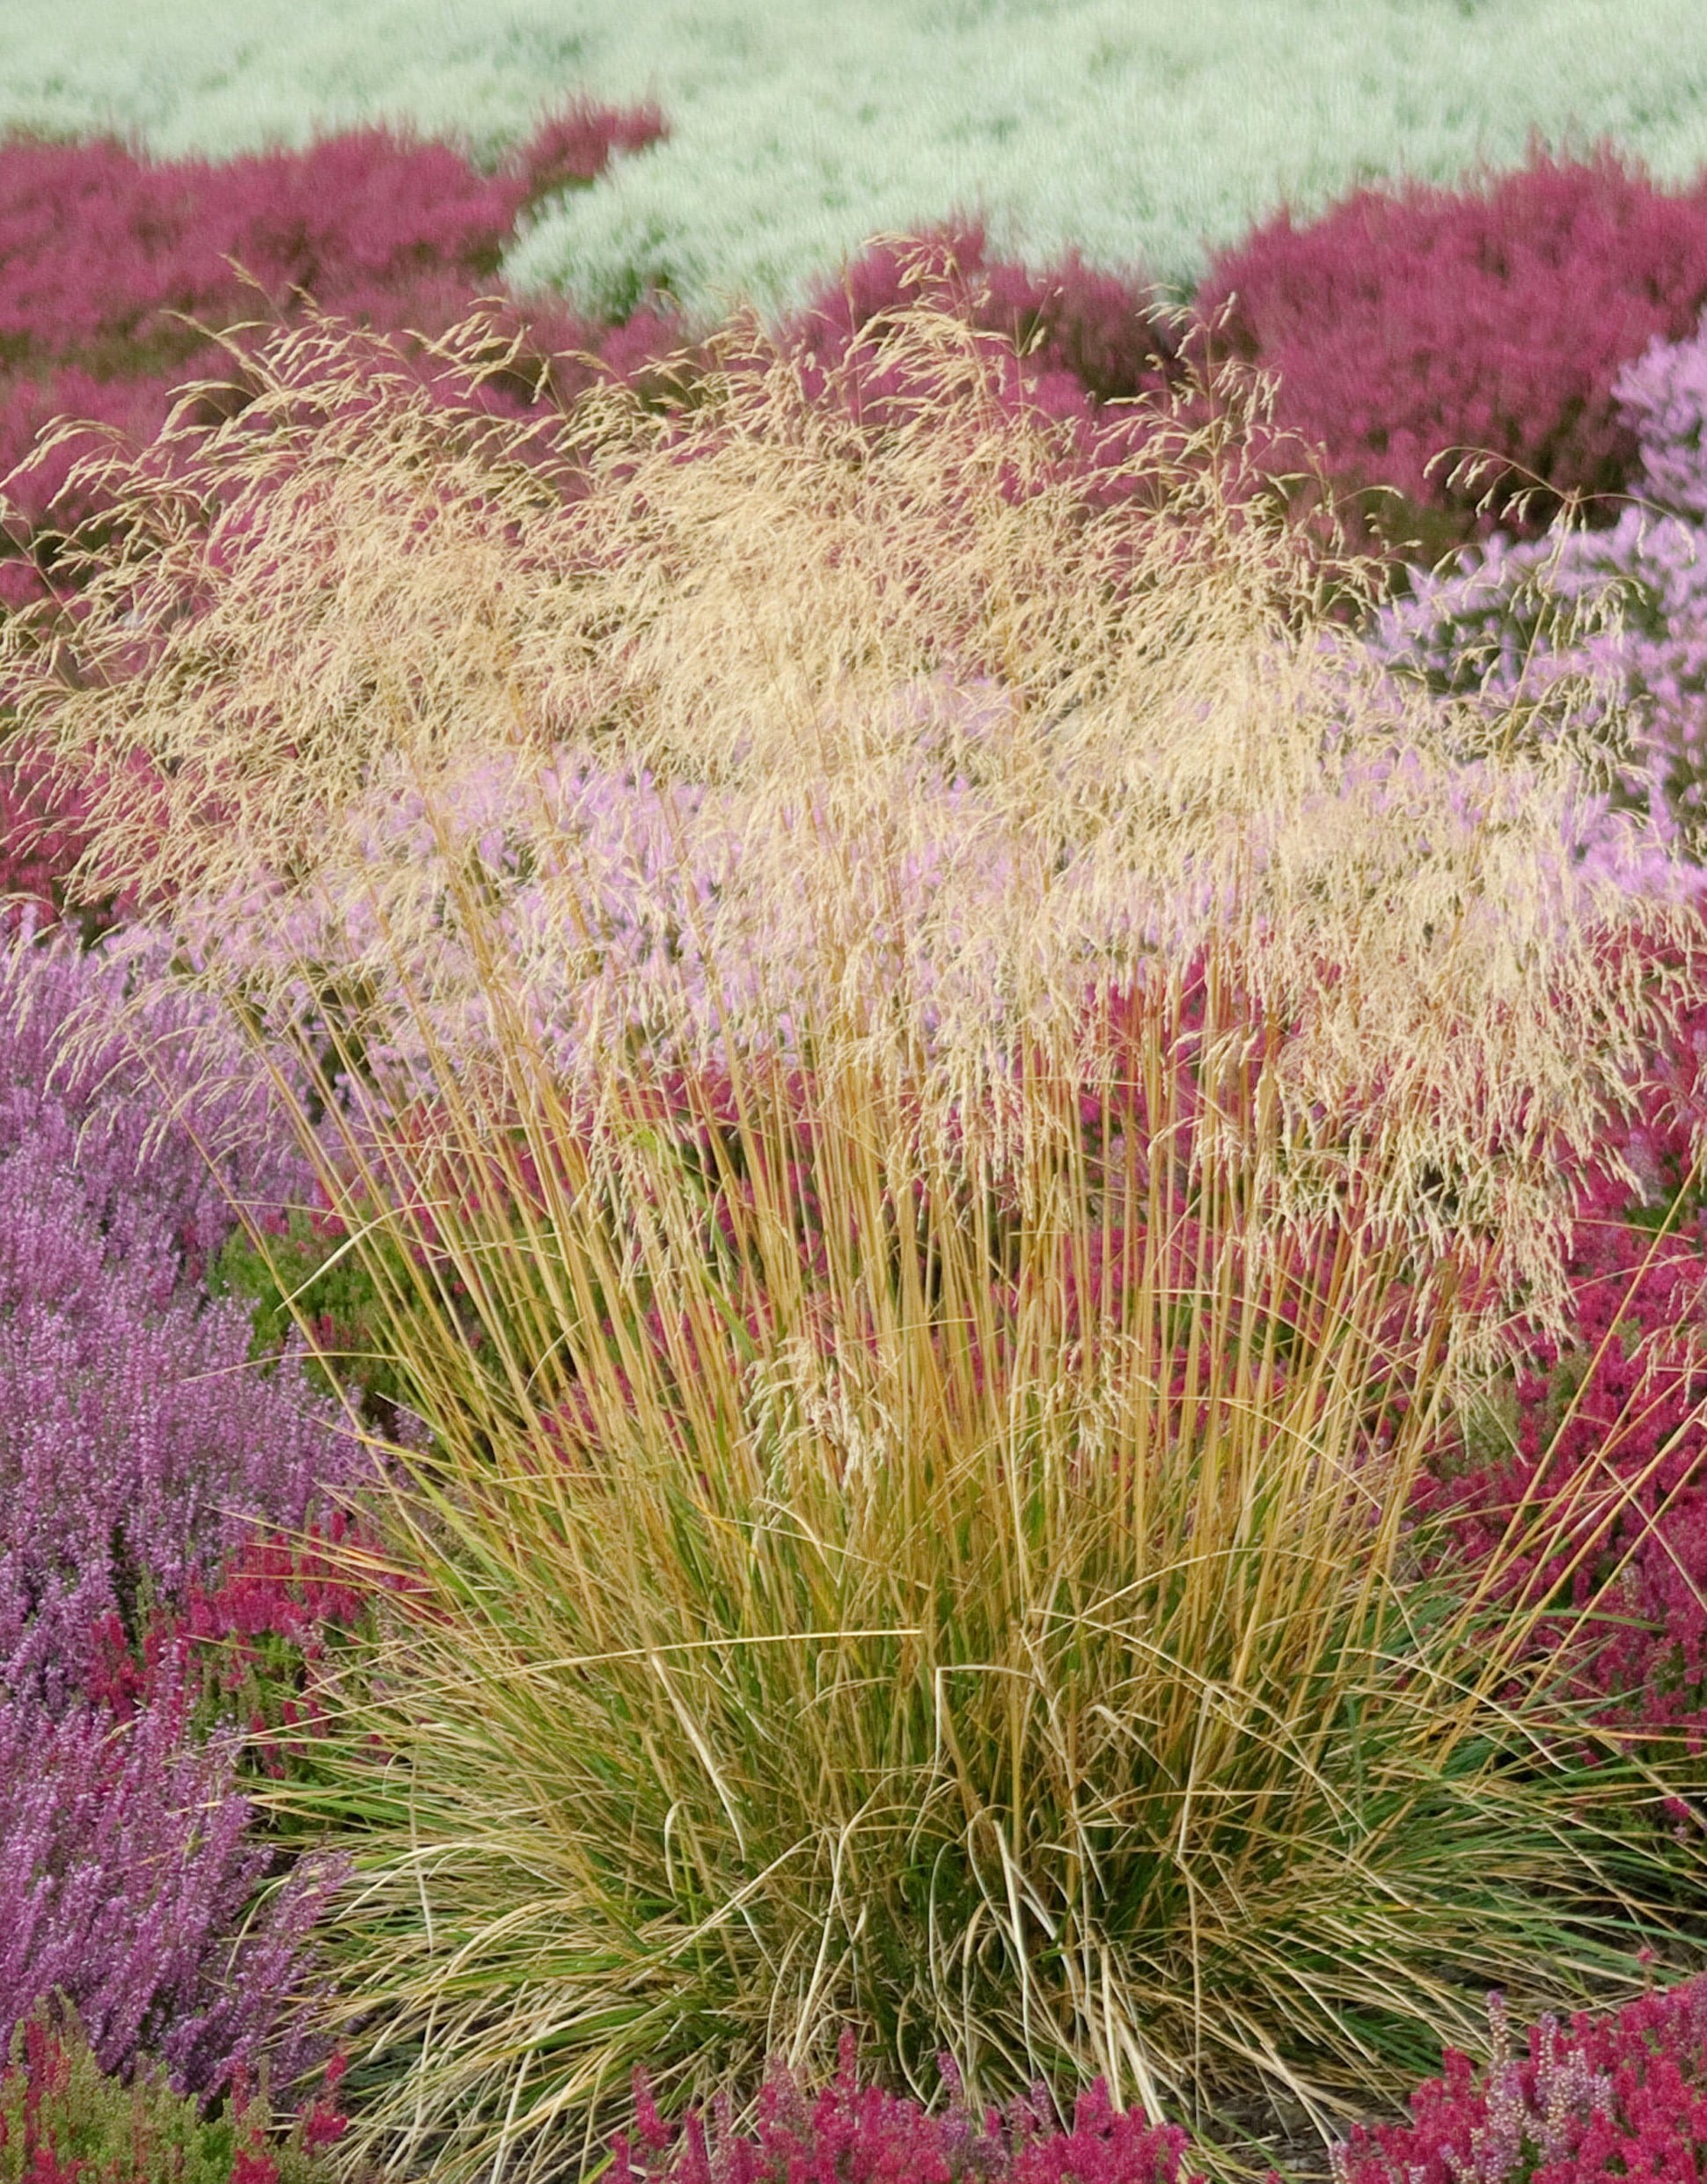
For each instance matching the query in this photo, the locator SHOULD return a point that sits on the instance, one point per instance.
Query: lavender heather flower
(156, 1149)
(1609, 624)
(137, 1443)
(138, 1449)
(138, 1446)
(126, 1867)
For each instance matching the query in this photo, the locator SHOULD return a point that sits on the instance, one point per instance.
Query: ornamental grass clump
(938, 1118)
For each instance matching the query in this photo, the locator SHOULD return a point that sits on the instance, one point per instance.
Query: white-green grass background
(1147, 132)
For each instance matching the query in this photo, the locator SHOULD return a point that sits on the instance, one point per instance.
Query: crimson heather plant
(1622, 2094)
(859, 2134)
(1412, 327)
(1103, 333)
(115, 271)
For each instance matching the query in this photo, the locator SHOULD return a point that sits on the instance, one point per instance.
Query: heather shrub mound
(118, 272)
(1603, 1421)
(1615, 2096)
(137, 1888)
(889, 1554)
(1591, 1495)
(65, 2121)
(136, 1136)
(139, 1462)
(268, 1641)
(106, 251)
(856, 2133)
(1103, 333)
(1417, 331)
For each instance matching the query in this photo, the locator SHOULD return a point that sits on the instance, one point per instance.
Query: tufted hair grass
(944, 1104)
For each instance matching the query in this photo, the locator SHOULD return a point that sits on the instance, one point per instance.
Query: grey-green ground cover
(1147, 132)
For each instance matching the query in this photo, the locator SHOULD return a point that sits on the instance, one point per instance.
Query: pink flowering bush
(855, 2134)
(1408, 321)
(572, 146)
(40, 836)
(105, 252)
(154, 1157)
(136, 1449)
(1612, 2097)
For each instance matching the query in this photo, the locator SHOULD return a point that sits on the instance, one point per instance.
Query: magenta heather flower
(1606, 1432)
(65, 2121)
(103, 252)
(1619, 2096)
(1624, 1468)
(115, 271)
(855, 2134)
(1413, 320)
(1072, 323)
(572, 146)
